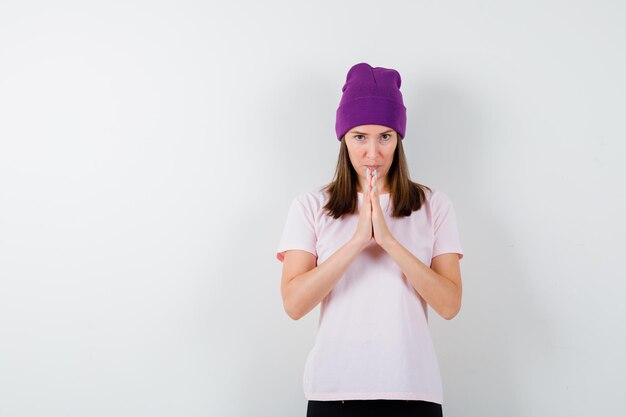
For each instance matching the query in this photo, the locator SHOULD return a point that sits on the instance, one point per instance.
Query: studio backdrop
(149, 152)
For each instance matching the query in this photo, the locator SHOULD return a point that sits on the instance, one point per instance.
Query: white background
(149, 152)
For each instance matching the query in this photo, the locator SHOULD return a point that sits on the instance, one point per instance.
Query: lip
(372, 167)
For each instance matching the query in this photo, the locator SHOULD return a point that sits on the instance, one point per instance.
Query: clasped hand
(371, 218)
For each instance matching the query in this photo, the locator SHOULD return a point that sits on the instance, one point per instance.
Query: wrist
(389, 243)
(358, 242)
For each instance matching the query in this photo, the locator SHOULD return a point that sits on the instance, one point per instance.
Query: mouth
(372, 167)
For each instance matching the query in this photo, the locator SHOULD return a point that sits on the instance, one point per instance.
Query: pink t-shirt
(373, 339)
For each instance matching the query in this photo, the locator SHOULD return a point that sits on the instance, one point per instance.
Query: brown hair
(406, 195)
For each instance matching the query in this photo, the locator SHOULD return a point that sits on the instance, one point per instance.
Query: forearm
(438, 291)
(306, 290)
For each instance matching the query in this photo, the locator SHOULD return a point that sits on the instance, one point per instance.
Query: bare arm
(303, 291)
(440, 286)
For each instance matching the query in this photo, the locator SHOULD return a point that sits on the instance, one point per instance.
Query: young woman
(374, 248)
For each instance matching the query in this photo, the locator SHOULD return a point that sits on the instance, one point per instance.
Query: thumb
(368, 197)
(365, 202)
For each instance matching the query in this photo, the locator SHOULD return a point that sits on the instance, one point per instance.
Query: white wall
(149, 151)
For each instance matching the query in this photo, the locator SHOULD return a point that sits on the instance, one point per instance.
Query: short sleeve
(299, 230)
(445, 227)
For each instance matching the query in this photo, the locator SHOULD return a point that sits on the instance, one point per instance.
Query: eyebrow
(362, 133)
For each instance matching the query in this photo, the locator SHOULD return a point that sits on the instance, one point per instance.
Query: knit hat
(371, 96)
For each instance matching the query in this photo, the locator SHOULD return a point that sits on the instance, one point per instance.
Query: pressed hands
(371, 219)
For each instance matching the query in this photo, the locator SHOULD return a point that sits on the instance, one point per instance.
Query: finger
(372, 187)
(376, 182)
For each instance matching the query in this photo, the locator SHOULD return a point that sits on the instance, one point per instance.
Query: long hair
(406, 195)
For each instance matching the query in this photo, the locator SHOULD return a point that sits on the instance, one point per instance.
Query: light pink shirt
(373, 339)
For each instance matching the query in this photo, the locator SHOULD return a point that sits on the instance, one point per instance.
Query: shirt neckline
(386, 195)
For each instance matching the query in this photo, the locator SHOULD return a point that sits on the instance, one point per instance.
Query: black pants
(373, 408)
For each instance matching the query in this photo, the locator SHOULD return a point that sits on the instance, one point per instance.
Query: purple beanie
(371, 96)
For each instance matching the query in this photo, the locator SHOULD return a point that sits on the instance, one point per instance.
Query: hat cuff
(370, 110)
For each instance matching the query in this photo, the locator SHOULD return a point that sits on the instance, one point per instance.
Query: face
(372, 146)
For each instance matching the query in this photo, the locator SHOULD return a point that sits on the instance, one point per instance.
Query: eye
(388, 136)
(358, 136)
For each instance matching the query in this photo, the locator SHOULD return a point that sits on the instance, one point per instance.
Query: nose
(372, 151)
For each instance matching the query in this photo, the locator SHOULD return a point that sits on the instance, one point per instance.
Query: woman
(374, 248)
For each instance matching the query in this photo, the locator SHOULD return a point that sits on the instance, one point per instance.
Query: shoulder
(436, 197)
(312, 200)
(440, 208)
(438, 204)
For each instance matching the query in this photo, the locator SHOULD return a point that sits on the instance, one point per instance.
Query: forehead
(371, 129)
